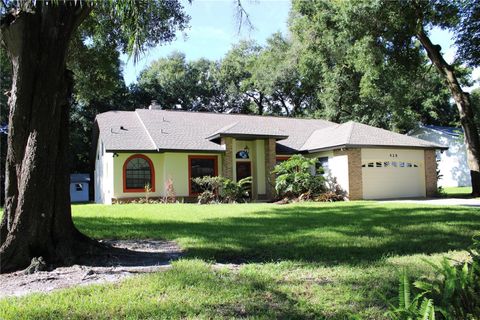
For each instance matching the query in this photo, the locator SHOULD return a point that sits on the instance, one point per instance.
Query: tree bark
(462, 100)
(258, 101)
(37, 216)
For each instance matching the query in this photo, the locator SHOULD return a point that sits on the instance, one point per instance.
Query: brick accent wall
(228, 160)
(270, 161)
(430, 173)
(355, 189)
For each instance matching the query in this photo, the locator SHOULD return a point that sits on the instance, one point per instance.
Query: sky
(213, 30)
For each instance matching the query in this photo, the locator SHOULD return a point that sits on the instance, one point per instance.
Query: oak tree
(36, 36)
(377, 47)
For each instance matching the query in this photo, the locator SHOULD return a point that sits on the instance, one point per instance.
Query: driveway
(441, 201)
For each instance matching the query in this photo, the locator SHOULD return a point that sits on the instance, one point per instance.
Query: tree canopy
(367, 65)
(468, 33)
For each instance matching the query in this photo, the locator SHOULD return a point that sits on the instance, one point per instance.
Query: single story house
(148, 148)
(452, 163)
(79, 187)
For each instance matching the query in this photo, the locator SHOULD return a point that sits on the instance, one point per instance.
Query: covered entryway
(393, 173)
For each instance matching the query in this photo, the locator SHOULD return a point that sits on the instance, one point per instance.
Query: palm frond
(404, 290)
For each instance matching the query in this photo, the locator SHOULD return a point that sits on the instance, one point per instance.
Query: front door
(244, 170)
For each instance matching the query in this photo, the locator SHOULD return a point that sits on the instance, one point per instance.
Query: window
(138, 172)
(78, 187)
(242, 154)
(200, 166)
(321, 164)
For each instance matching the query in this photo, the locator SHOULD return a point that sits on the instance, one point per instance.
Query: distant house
(452, 163)
(79, 187)
(142, 150)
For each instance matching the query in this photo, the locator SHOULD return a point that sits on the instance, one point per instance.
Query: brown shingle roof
(158, 130)
(246, 129)
(122, 131)
(354, 134)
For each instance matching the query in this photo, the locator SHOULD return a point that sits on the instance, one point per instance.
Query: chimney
(154, 105)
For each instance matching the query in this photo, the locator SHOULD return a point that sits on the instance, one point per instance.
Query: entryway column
(229, 158)
(270, 161)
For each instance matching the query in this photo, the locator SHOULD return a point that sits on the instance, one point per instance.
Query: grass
(463, 192)
(330, 261)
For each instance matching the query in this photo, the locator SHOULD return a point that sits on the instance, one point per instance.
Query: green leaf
(404, 290)
(426, 309)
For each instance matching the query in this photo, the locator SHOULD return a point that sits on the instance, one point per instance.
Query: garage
(393, 173)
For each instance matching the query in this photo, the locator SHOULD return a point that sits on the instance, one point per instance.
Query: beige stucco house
(151, 147)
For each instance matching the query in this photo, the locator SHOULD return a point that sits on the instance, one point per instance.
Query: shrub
(295, 178)
(330, 196)
(207, 197)
(236, 191)
(170, 194)
(455, 289)
(334, 192)
(148, 190)
(211, 188)
(223, 190)
(410, 308)
(454, 292)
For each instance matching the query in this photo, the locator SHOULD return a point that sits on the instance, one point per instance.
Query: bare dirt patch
(130, 257)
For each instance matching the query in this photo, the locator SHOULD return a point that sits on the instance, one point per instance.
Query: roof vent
(154, 105)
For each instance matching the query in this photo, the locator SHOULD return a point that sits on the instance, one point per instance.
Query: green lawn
(458, 191)
(298, 261)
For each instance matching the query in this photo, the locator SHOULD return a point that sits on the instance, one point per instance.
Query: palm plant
(417, 308)
(455, 289)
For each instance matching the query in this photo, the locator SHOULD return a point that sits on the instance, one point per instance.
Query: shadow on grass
(189, 290)
(352, 234)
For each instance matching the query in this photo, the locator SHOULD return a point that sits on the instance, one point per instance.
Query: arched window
(138, 173)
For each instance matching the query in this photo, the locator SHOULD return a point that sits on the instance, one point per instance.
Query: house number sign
(393, 155)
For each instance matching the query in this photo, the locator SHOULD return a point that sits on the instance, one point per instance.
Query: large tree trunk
(37, 217)
(462, 100)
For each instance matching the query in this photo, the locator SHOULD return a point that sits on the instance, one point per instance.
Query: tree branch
(242, 17)
(434, 54)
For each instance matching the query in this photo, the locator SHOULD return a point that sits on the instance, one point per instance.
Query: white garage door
(392, 173)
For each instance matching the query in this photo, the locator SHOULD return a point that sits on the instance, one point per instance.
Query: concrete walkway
(441, 201)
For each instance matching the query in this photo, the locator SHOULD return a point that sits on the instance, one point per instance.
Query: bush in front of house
(232, 191)
(211, 189)
(297, 178)
(223, 190)
(170, 194)
(331, 196)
